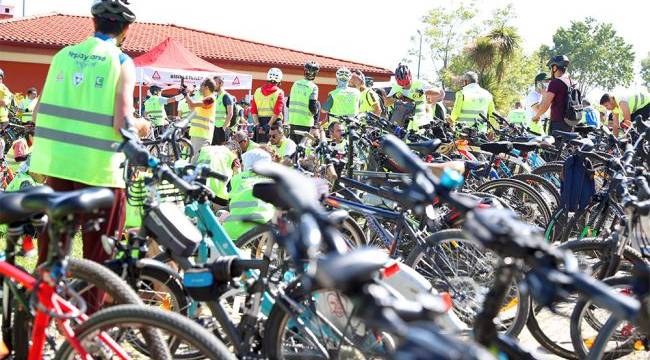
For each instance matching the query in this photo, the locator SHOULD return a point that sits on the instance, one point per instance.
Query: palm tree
(506, 40)
(482, 53)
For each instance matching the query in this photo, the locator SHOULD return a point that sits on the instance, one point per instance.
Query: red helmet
(403, 75)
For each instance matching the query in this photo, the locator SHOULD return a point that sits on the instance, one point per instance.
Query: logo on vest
(156, 75)
(236, 81)
(99, 82)
(77, 78)
(60, 76)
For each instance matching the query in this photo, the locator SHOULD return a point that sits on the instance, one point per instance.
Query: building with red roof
(28, 44)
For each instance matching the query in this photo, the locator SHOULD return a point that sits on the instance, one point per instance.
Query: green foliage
(599, 56)
(447, 30)
(645, 71)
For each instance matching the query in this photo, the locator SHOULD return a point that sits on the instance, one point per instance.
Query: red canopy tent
(169, 62)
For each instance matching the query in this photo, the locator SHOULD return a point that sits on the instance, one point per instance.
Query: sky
(374, 32)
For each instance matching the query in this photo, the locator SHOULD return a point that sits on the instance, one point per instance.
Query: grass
(29, 262)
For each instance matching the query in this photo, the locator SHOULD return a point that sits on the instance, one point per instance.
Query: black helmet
(311, 70)
(561, 61)
(114, 10)
(154, 88)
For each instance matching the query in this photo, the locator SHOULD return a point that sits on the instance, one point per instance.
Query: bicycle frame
(52, 303)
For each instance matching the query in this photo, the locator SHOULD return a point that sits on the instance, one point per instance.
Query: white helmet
(274, 74)
(250, 158)
(343, 74)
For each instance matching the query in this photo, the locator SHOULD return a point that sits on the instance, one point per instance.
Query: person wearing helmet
(625, 108)
(154, 108)
(5, 100)
(417, 92)
(87, 99)
(244, 206)
(303, 102)
(471, 101)
(27, 105)
(342, 101)
(557, 96)
(267, 105)
(370, 102)
(533, 101)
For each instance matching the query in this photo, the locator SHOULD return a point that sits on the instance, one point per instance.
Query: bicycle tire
(499, 186)
(455, 235)
(576, 246)
(541, 185)
(150, 318)
(576, 320)
(553, 170)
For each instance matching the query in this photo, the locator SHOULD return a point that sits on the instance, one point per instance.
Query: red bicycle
(50, 298)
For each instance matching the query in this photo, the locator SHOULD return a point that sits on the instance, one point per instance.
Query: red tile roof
(58, 30)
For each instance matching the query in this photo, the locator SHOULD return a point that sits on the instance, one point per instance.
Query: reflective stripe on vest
(345, 102)
(74, 136)
(299, 98)
(202, 123)
(245, 206)
(638, 102)
(266, 103)
(475, 101)
(27, 107)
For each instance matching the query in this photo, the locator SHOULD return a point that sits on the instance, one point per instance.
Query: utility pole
(419, 52)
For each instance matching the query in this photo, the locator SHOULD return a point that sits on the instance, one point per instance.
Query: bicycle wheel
(548, 191)
(319, 326)
(587, 321)
(552, 172)
(124, 322)
(592, 258)
(464, 268)
(522, 198)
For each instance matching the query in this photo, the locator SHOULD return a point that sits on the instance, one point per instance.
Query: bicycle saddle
(58, 204)
(351, 269)
(526, 146)
(583, 130)
(565, 134)
(11, 210)
(496, 148)
(425, 147)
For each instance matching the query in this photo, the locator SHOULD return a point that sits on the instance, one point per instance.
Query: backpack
(574, 110)
(577, 185)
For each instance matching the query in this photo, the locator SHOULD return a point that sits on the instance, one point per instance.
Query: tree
(447, 31)
(482, 53)
(645, 71)
(599, 57)
(506, 41)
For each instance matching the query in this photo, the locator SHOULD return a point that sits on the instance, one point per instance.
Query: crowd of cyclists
(373, 225)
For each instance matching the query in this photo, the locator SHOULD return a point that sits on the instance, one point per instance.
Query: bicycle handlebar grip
(239, 266)
(207, 172)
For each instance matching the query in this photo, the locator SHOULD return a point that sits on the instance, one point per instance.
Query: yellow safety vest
(301, 93)
(345, 101)
(265, 104)
(155, 110)
(475, 101)
(634, 102)
(418, 97)
(27, 109)
(4, 110)
(202, 123)
(219, 158)
(74, 138)
(368, 100)
(221, 112)
(517, 116)
(282, 149)
(245, 206)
